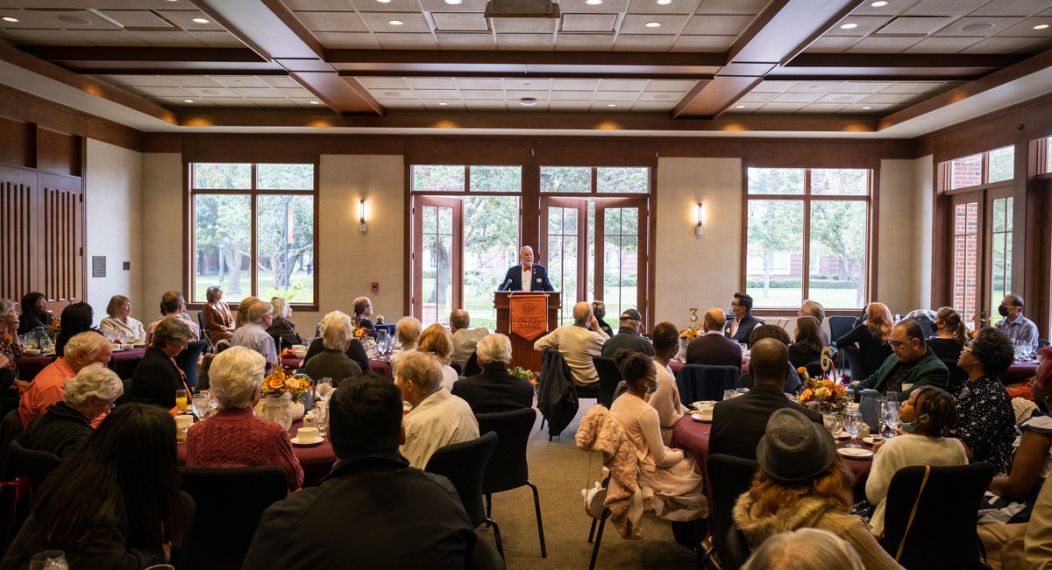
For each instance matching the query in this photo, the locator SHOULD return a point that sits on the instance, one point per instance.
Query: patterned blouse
(10, 348)
(986, 422)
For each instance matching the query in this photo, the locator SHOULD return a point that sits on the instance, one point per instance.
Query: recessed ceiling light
(395, 22)
(200, 21)
(653, 24)
(443, 104)
(315, 102)
(384, 1)
(739, 106)
(611, 104)
(454, 2)
(188, 100)
(1041, 26)
(866, 107)
(593, 2)
(879, 4)
(848, 26)
(664, 2)
(10, 19)
(528, 101)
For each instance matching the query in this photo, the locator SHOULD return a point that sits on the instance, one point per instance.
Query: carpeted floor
(560, 471)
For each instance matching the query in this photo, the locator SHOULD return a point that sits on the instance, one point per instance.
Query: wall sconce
(698, 229)
(361, 217)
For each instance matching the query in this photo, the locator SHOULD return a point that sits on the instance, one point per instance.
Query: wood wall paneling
(62, 256)
(16, 140)
(18, 248)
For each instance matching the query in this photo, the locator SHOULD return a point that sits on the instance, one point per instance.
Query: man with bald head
(527, 275)
(738, 425)
(578, 343)
(465, 338)
(713, 348)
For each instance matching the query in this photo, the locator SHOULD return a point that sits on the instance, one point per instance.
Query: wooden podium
(522, 352)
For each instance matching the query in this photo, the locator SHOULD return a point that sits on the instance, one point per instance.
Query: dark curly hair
(994, 349)
(634, 366)
(769, 331)
(940, 408)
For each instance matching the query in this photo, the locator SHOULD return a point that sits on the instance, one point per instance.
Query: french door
(437, 272)
(981, 250)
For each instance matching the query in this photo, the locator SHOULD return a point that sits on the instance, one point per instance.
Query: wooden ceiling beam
(365, 57)
(778, 34)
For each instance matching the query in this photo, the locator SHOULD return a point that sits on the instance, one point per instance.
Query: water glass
(49, 560)
(853, 426)
(323, 388)
(200, 405)
(891, 417)
(284, 419)
(831, 422)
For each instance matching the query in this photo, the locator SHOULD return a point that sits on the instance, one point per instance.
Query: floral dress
(10, 348)
(986, 422)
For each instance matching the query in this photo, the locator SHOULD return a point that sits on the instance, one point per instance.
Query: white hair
(93, 380)
(336, 330)
(408, 331)
(86, 345)
(494, 348)
(804, 549)
(258, 310)
(235, 376)
(282, 308)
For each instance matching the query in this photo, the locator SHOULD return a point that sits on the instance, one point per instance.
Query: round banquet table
(379, 366)
(1019, 372)
(122, 362)
(316, 460)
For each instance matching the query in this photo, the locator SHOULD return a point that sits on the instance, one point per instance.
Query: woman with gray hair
(282, 329)
(66, 424)
(332, 361)
(219, 321)
(407, 331)
(157, 376)
(495, 389)
(805, 549)
(234, 437)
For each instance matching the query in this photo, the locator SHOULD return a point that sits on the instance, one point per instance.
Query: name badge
(537, 280)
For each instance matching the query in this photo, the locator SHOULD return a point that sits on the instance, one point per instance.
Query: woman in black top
(76, 318)
(808, 345)
(871, 338)
(950, 335)
(34, 313)
(157, 376)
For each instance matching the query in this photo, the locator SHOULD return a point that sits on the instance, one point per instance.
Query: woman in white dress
(119, 321)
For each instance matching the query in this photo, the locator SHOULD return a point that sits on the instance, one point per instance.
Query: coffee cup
(307, 434)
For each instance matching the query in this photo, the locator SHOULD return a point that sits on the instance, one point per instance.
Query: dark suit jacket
(747, 324)
(540, 279)
(355, 351)
(495, 390)
(155, 380)
(738, 424)
(714, 350)
(629, 340)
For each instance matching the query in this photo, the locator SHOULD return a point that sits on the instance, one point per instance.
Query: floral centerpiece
(690, 333)
(527, 375)
(830, 394)
(54, 328)
(285, 391)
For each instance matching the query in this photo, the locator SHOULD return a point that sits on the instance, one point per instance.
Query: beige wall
(162, 231)
(112, 205)
(897, 235)
(691, 272)
(923, 195)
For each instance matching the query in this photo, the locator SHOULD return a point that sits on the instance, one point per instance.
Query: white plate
(855, 452)
(296, 441)
(872, 440)
(703, 404)
(704, 418)
(841, 435)
(31, 351)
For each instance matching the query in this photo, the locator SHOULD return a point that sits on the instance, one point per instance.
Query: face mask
(908, 427)
(1002, 310)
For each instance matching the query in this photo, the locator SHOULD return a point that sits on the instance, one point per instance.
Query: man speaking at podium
(527, 275)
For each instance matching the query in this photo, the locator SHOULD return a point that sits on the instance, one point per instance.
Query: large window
(252, 231)
(807, 236)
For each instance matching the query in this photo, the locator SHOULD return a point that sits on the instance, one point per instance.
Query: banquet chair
(205, 333)
(187, 360)
(609, 376)
(728, 477)
(839, 325)
(737, 548)
(702, 382)
(942, 532)
(36, 465)
(464, 464)
(507, 468)
(471, 367)
(958, 377)
(229, 503)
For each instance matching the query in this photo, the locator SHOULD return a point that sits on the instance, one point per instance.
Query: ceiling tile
(862, 87)
(431, 82)
(644, 43)
(1026, 28)
(1011, 8)
(460, 22)
(868, 108)
(814, 86)
(942, 45)
(915, 87)
(652, 7)
(637, 24)
(1007, 45)
(170, 39)
(797, 97)
(842, 98)
(944, 7)
(185, 19)
(332, 21)
(622, 84)
(865, 25)
(703, 43)
(59, 20)
(115, 38)
(731, 6)
(588, 22)
(569, 105)
(610, 106)
(147, 80)
(402, 105)
(773, 86)
(294, 92)
(347, 40)
(658, 96)
(645, 106)
(322, 5)
(572, 95)
(575, 84)
(883, 44)
(201, 81)
(437, 94)
(399, 41)
(138, 19)
(383, 82)
(463, 6)
(164, 91)
(479, 41)
(920, 25)
(589, 42)
(381, 22)
(822, 108)
(490, 95)
(978, 27)
(831, 44)
(716, 25)
(525, 25)
(486, 105)
(390, 6)
(255, 92)
(210, 92)
(536, 94)
(889, 98)
(397, 94)
(269, 102)
(681, 85)
(43, 37)
(526, 41)
(757, 97)
(238, 81)
(568, 6)
(781, 107)
(891, 8)
(528, 84)
(479, 83)
(215, 38)
(451, 105)
(616, 95)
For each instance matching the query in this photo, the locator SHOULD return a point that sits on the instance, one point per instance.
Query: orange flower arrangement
(527, 375)
(279, 382)
(825, 391)
(691, 333)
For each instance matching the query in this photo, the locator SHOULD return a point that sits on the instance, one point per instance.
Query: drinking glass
(728, 394)
(891, 417)
(284, 418)
(49, 560)
(891, 396)
(199, 403)
(323, 388)
(46, 346)
(214, 404)
(853, 426)
(829, 421)
(321, 415)
(180, 400)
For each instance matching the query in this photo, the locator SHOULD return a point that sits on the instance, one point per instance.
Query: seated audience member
(793, 384)
(438, 418)
(496, 389)
(628, 337)
(815, 309)
(911, 365)
(76, 318)
(407, 332)
(114, 503)
(241, 316)
(333, 362)
(219, 321)
(253, 334)
(119, 321)
(66, 424)
(665, 399)
(234, 437)
(985, 420)
(738, 424)
(157, 377)
(1031, 464)
(1014, 324)
(10, 349)
(363, 309)
(1038, 541)
(34, 313)
(803, 483)
(807, 346)
(578, 344)
(871, 338)
(49, 385)
(950, 335)
(435, 340)
(927, 417)
(173, 306)
(283, 329)
(670, 483)
(599, 310)
(713, 348)
(375, 483)
(465, 338)
(738, 329)
(804, 549)
(355, 349)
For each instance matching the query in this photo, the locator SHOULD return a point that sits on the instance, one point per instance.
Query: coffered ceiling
(750, 65)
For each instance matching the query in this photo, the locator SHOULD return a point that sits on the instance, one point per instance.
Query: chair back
(609, 376)
(229, 504)
(222, 345)
(36, 465)
(737, 550)
(839, 325)
(10, 427)
(464, 464)
(958, 377)
(943, 532)
(729, 477)
(703, 382)
(471, 367)
(187, 360)
(205, 333)
(507, 468)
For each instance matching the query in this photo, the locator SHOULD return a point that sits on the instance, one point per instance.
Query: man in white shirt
(438, 418)
(578, 343)
(464, 338)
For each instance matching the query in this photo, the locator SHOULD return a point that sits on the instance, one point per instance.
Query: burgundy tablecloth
(316, 461)
(123, 363)
(1018, 372)
(376, 365)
